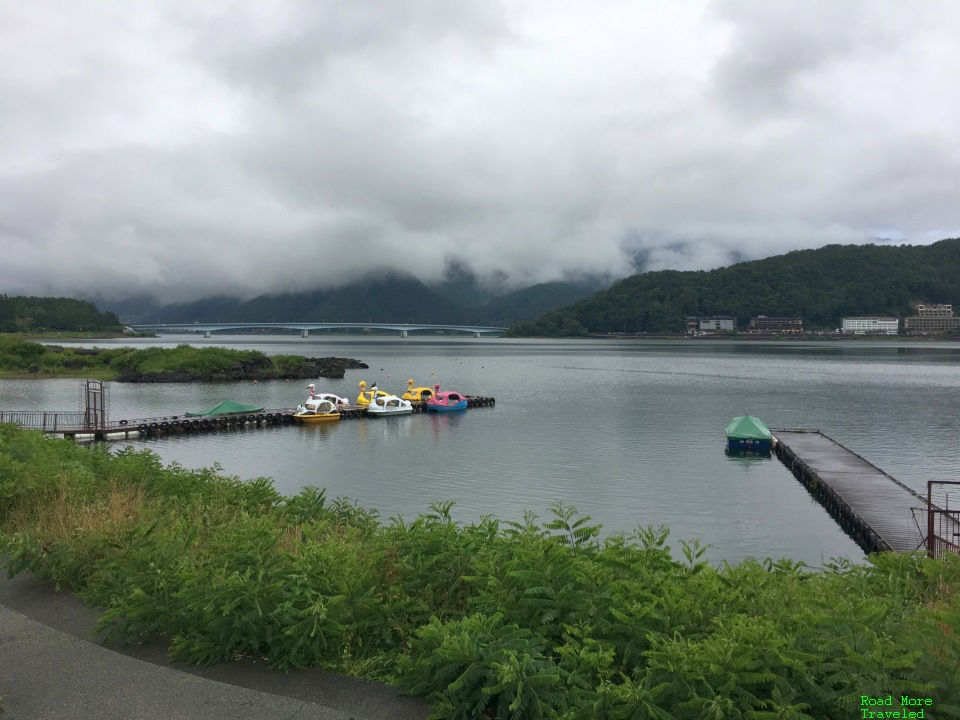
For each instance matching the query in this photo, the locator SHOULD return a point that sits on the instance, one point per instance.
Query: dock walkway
(90, 426)
(878, 511)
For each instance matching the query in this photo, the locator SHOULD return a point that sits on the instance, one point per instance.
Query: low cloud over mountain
(181, 150)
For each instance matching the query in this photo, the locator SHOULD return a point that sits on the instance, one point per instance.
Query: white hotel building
(871, 326)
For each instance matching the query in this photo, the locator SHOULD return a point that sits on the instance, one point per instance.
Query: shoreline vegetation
(184, 363)
(491, 619)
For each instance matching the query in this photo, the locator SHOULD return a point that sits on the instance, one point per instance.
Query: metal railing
(94, 402)
(46, 421)
(943, 521)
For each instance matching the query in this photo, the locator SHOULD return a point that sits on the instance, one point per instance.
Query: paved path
(52, 667)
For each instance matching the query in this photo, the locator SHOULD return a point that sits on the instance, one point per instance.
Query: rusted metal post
(931, 538)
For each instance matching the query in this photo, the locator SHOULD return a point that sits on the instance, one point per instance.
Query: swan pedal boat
(417, 394)
(386, 405)
(365, 396)
(316, 410)
(335, 399)
(340, 402)
(446, 401)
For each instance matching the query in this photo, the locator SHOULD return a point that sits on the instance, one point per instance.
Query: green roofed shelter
(746, 432)
(225, 408)
(747, 427)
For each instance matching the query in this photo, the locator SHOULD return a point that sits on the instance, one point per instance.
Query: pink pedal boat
(446, 401)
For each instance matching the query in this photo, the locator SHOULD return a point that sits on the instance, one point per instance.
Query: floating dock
(876, 510)
(82, 426)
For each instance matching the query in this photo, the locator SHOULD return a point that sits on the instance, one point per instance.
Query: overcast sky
(182, 147)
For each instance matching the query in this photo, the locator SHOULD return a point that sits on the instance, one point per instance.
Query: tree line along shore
(23, 358)
(492, 619)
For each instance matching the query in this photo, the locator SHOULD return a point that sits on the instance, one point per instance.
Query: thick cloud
(178, 148)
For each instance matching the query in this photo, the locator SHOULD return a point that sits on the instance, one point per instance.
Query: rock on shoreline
(256, 369)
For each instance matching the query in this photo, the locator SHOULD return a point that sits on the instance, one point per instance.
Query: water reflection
(322, 431)
(445, 422)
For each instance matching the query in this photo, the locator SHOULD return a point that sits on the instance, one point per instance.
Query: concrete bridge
(304, 328)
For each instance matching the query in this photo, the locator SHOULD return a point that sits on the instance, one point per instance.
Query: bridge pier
(476, 334)
(206, 334)
(304, 333)
(403, 333)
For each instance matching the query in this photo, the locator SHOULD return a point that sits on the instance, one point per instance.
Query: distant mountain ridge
(821, 286)
(383, 298)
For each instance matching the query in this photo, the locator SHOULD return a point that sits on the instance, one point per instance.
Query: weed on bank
(486, 620)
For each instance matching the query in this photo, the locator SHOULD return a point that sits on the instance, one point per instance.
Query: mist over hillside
(381, 298)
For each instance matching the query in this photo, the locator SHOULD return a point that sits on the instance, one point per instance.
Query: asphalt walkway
(51, 666)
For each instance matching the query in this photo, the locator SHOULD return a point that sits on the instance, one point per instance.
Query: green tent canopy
(227, 406)
(747, 427)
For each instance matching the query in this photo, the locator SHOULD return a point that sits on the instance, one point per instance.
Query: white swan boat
(386, 405)
(316, 410)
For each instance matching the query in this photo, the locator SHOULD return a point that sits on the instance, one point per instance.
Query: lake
(628, 431)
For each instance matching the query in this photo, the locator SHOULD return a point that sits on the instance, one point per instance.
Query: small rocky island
(184, 363)
(260, 368)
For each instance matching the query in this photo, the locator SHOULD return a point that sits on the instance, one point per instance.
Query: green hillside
(384, 299)
(395, 298)
(821, 286)
(39, 314)
(532, 302)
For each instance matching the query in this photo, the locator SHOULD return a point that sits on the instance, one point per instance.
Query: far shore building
(717, 323)
(694, 325)
(870, 326)
(764, 325)
(932, 320)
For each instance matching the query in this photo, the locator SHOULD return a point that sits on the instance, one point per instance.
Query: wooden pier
(876, 510)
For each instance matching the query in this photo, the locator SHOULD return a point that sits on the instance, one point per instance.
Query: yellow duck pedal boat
(417, 394)
(365, 396)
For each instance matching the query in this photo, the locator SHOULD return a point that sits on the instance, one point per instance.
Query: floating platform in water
(72, 425)
(876, 510)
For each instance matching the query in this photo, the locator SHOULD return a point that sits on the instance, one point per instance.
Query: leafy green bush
(16, 354)
(286, 365)
(186, 358)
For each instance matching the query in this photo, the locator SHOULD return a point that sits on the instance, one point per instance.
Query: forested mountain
(382, 299)
(532, 302)
(820, 286)
(385, 299)
(20, 313)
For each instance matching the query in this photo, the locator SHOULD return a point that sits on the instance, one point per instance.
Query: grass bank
(486, 620)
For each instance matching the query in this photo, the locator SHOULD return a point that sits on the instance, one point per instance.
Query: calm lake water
(628, 431)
